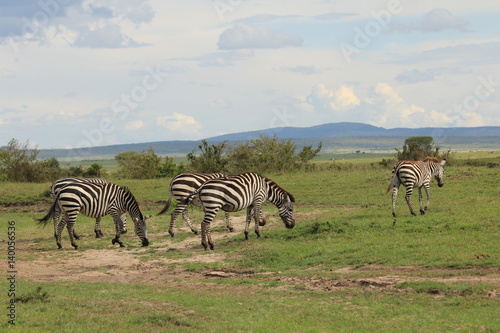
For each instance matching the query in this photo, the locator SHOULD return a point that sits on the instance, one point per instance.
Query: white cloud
(325, 99)
(179, 123)
(134, 125)
(220, 103)
(255, 37)
(438, 19)
(430, 74)
(109, 36)
(306, 70)
(6, 73)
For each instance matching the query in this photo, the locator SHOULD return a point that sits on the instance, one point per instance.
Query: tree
(169, 168)
(146, 165)
(18, 163)
(269, 154)
(212, 158)
(417, 148)
(138, 165)
(95, 170)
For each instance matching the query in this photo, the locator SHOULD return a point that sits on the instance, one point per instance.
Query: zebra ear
(443, 162)
(147, 217)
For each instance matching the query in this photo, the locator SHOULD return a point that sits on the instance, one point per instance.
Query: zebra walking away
(415, 174)
(96, 200)
(181, 187)
(234, 193)
(61, 182)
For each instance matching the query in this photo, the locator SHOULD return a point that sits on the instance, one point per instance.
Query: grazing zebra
(415, 174)
(181, 187)
(61, 182)
(234, 193)
(96, 200)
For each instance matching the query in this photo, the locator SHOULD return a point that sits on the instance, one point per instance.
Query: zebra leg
(123, 223)
(70, 226)
(257, 213)
(118, 228)
(420, 201)
(179, 209)
(248, 220)
(428, 193)
(97, 228)
(58, 232)
(185, 215)
(75, 235)
(409, 191)
(228, 223)
(394, 198)
(206, 237)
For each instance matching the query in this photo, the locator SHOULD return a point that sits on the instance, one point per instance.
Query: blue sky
(83, 73)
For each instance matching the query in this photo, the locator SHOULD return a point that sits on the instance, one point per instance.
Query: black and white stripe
(415, 174)
(61, 182)
(96, 200)
(234, 193)
(181, 187)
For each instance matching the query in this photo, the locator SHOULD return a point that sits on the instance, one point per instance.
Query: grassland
(345, 267)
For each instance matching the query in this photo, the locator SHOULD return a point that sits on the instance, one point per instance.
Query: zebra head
(141, 229)
(285, 210)
(439, 173)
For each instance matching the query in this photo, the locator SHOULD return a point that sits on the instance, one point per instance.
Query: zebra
(234, 193)
(61, 182)
(96, 200)
(415, 174)
(181, 187)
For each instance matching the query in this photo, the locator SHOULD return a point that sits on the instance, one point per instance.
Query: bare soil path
(116, 265)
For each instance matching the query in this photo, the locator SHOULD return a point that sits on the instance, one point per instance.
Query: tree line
(19, 162)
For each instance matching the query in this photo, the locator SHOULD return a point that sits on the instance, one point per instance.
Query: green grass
(445, 263)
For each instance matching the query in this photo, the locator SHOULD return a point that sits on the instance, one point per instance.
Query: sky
(84, 73)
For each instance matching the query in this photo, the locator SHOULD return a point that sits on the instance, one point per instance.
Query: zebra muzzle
(145, 242)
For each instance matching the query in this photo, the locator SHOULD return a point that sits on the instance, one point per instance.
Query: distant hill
(347, 129)
(336, 137)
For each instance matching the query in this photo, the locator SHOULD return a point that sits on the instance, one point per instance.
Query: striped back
(233, 193)
(186, 183)
(96, 200)
(61, 182)
(418, 173)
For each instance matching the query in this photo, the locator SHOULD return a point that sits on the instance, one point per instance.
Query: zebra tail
(188, 199)
(167, 205)
(392, 182)
(43, 221)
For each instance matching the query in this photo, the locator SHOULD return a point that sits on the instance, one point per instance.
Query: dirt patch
(149, 266)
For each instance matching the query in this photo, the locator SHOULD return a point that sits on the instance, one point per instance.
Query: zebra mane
(269, 180)
(128, 192)
(431, 159)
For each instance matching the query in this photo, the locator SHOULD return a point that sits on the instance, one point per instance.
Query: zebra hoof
(76, 247)
(231, 229)
(59, 246)
(76, 236)
(122, 245)
(194, 232)
(422, 212)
